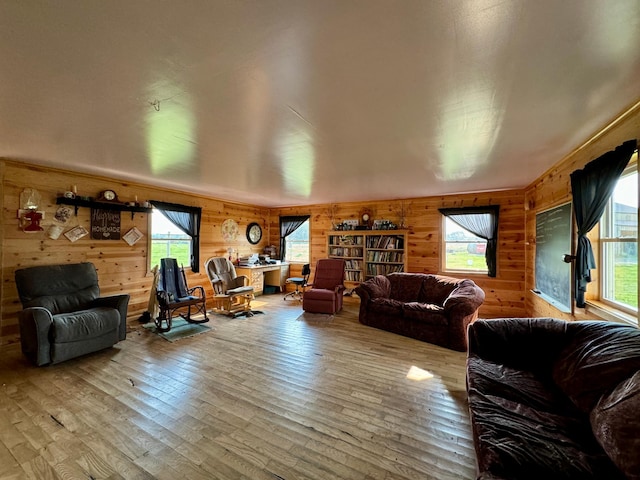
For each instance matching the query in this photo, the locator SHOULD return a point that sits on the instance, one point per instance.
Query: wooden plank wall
(121, 268)
(504, 294)
(554, 188)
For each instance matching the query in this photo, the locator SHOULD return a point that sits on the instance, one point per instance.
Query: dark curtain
(288, 225)
(591, 188)
(186, 219)
(482, 222)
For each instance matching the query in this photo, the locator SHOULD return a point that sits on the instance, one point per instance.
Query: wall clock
(365, 217)
(254, 233)
(229, 230)
(108, 196)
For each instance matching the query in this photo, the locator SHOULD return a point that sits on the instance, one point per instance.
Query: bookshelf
(368, 252)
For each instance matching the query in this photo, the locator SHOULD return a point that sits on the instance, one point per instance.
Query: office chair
(300, 282)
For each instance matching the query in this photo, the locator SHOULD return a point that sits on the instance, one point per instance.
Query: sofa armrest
(35, 323)
(120, 303)
(376, 287)
(464, 300)
(529, 343)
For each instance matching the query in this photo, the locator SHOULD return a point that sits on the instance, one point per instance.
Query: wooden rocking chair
(173, 294)
(232, 293)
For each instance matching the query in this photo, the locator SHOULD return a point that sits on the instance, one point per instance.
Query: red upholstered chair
(325, 296)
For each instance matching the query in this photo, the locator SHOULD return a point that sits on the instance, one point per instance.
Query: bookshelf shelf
(369, 253)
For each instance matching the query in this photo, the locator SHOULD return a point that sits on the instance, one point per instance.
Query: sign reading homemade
(105, 224)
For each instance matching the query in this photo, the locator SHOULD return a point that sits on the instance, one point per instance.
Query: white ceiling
(296, 102)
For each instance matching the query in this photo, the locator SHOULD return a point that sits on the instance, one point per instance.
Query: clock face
(254, 233)
(109, 195)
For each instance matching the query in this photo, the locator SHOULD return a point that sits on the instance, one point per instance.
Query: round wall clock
(229, 230)
(108, 196)
(254, 233)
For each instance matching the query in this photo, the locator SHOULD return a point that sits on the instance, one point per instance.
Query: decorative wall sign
(132, 236)
(76, 233)
(229, 230)
(105, 224)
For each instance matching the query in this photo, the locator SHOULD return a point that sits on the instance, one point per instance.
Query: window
(464, 250)
(297, 244)
(294, 238)
(167, 240)
(619, 244)
(471, 239)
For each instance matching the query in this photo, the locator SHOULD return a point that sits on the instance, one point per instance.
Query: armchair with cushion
(325, 295)
(232, 292)
(64, 316)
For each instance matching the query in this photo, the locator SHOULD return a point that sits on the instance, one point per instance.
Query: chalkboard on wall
(553, 241)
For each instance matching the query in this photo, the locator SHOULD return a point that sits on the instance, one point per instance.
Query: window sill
(611, 314)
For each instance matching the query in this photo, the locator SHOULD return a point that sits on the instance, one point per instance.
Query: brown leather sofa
(431, 308)
(551, 399)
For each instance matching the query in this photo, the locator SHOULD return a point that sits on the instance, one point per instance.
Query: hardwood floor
(267, 397)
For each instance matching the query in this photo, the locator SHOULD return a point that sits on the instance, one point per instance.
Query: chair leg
(163, 316)
(297, 294)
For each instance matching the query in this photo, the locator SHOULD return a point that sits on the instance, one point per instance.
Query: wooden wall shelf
(122, 207)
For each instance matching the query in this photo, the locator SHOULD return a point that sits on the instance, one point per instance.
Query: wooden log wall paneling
(504, 294)
(121, 268)
(554, 188)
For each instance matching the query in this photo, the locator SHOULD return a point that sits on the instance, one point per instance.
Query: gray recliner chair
(64, 316)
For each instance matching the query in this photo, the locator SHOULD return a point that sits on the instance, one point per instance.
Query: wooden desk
(261, 275)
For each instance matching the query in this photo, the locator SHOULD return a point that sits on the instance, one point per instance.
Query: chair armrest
(120, 303)
(197, 288)
(35, 323)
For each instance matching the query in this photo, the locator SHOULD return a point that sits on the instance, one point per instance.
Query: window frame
(445, 242)
(485, 228)
(603, 273)
(287, 250)
(188, 240)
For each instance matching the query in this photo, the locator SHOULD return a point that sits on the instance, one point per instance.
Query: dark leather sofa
(431, 308)
(64, 316)
(551, 399)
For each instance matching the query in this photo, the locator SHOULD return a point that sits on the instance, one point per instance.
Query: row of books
(353, 276)
(380, 269)
(385, 241)
(382, 256)
(346, 240)
(345, 251)
(353, 264)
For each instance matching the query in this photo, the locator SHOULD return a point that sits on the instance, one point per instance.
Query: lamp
(28, 214)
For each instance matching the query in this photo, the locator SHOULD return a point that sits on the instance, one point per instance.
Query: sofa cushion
(436, 288)
(524, 427)
(425, 312)
(604, 351)
(85, 324)
(387, 306)
(405, 287)
(615, 421)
